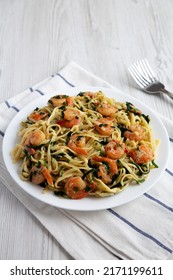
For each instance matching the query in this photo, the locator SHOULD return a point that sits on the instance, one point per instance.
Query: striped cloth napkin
(141, 229)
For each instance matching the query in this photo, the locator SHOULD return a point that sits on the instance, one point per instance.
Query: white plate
(89, 203)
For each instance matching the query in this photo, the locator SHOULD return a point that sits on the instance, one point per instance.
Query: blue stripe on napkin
(13, 107)
(65, 80)
(1, 133)
(39, 91)
(169, 172)
(141, 231)
(159, 202)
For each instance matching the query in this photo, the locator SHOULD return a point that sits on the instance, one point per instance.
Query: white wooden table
(38, 37)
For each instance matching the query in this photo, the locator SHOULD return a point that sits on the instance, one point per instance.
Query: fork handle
(170, 94)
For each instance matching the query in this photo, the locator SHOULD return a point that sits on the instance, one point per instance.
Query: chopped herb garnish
(38, 164)
(154, 164)
(122, 128)
(93, 170)
(79, 137)
(35, 147)
(103, 125)
(58, 156)
(114, 177)
(140, 181)
(129, 106)
(27, 154)
(88, 188)
(104, 142)
(50, 102)
(133, 109)
(75, 189)
(93, 106)
(101, 153)
(59, 193)
(71, 154)
(63, 107)
(69, 135)
(61, 96)
(107, 167)
(146, 117)
(81, 94)
(118, 185)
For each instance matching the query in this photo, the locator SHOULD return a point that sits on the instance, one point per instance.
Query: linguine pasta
(85, 145)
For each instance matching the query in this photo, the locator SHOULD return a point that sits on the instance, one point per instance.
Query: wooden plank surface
(38, 37)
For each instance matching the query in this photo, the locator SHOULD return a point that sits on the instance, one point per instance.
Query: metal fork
(146, 78)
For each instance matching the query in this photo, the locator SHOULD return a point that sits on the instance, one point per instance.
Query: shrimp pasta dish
(85, 145)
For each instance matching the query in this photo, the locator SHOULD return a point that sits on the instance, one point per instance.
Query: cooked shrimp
(143, 154)
(36, 175)
(106, 110)
(103, 174)
(115, 149)
(71, 114)
(37, 116)
(35, 138)
(104, 126)
(71, 118)
(77, 143)
(76, 188)
(40, 174)
(106, 170)
(47, 175)
(112, 163)
(136, 133)
(89, 94)
(59, 100)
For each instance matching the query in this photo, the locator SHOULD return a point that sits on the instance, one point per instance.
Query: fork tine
(144, 70)
(141, 72)
(149, 70)
(136, 76)
(140, 79)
